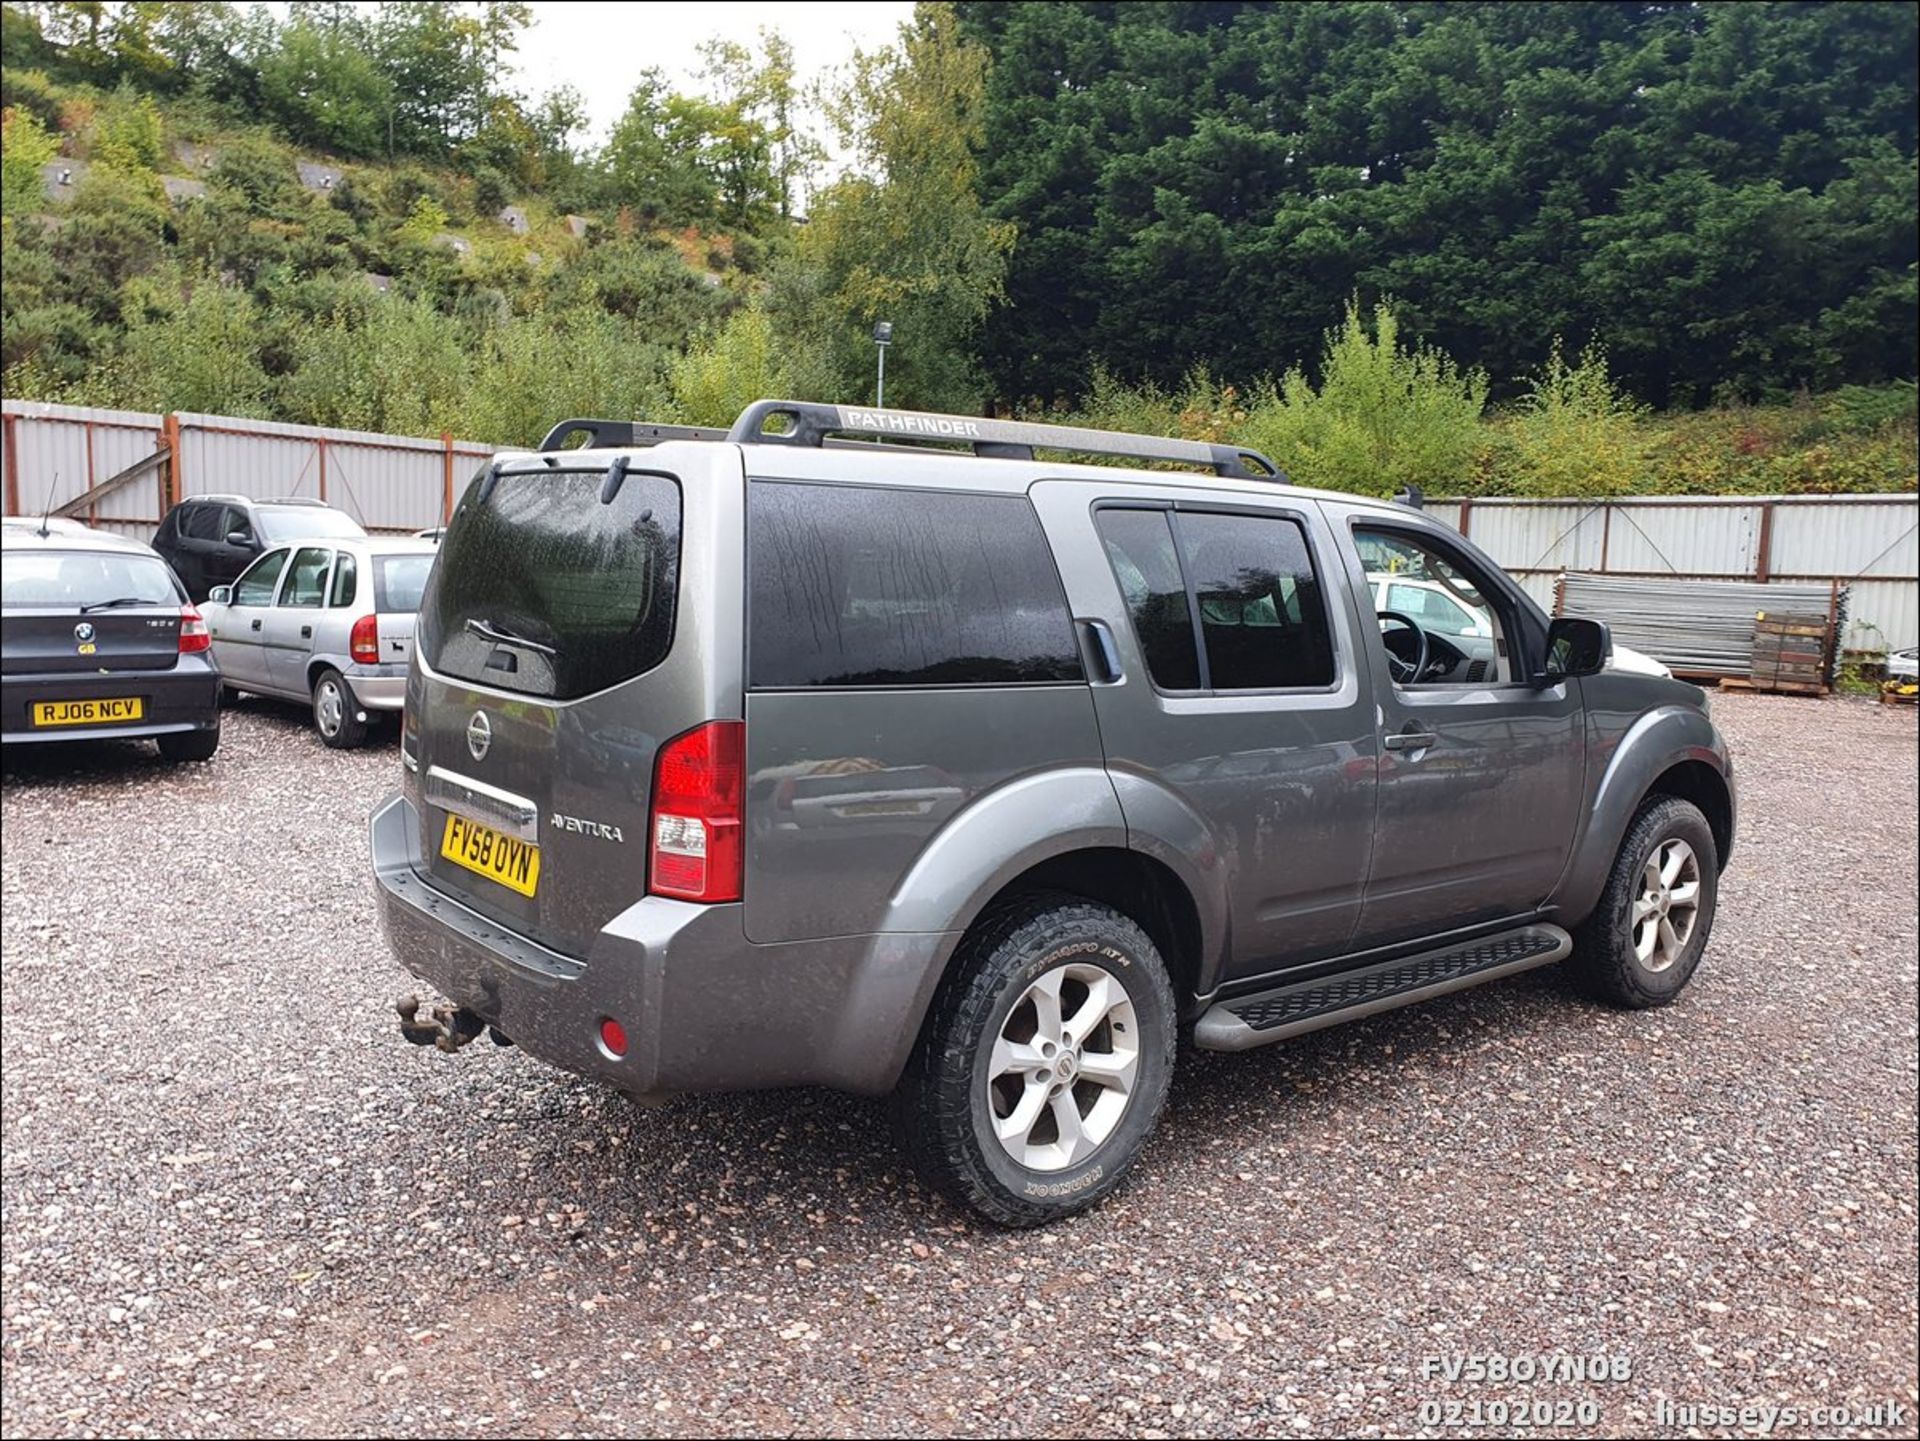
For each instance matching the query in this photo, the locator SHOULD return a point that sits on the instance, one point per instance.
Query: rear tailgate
(562, 639)
(39, 642)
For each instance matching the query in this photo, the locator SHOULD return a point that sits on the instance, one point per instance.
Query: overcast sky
(598, 47)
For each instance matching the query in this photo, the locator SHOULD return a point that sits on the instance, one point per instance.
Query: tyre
(1044, 1063)
(1645, 937)
(188, 745)
(335, 712)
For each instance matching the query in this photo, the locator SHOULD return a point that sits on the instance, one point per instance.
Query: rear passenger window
(345, 577)
(202, 522)
(1139, 546)
(1250, 579)
(852, 586)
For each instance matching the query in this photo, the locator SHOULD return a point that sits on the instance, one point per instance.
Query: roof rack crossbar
(810, 423)
(626, 433)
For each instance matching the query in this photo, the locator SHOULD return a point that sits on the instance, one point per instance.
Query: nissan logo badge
(479, 735)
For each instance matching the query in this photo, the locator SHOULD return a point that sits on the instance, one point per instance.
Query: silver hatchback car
(326, 622)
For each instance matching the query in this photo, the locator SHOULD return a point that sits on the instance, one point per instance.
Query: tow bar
(447, 1027)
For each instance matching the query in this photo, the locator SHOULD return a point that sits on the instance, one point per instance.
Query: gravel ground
(235, 1202)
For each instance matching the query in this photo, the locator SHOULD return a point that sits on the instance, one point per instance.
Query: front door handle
(1410, 740)
(256, 625)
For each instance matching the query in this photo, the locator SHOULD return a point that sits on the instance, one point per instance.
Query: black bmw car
(98, 641)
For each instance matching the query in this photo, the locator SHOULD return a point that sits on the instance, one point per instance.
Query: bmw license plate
(88, 712)
(502, 859)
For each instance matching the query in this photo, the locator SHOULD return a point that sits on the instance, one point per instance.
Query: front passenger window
(1434, 614)
(256, 586)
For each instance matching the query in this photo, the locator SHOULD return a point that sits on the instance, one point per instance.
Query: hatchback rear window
(401, 580)
(68, 579)
(544, 588)
(857, 586)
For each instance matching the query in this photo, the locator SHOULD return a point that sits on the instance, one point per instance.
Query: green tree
(655, 157)
(727, 370)
(903, 236)
(1574, 432)
(197, 351)
(323, 86)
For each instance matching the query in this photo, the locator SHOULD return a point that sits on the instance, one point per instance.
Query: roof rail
(810, 423)
(625, 433)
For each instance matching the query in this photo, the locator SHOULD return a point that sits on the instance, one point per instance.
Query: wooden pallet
(1790, 653)
(1891, 694)
(1783, 687)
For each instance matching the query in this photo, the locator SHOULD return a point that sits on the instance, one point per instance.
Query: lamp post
(882, 338)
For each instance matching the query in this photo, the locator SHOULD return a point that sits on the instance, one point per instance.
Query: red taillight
(194, 635)
(363, 641)
(694, 849)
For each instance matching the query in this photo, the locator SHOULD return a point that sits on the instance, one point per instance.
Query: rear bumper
(704, 1009)
(185, 698)
(384, 688)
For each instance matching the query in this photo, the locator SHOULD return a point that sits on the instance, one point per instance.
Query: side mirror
(239, 537)
(220, 595)
(1576, 646)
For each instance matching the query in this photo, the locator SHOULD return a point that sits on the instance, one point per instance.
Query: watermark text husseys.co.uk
(1766, 1419)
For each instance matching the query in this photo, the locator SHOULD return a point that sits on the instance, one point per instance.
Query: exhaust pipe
(446, 1028)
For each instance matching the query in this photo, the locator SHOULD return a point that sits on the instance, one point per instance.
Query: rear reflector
(194, 635)
(613, 1036)
(363, 641)
(694, 840)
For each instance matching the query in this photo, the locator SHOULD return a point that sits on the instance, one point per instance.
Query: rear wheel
(336, 712)
(1045, 1062)
(188, 745)
(1644, 940)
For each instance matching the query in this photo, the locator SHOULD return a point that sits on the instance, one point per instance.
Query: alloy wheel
(1062, 1070)
(1668, 906)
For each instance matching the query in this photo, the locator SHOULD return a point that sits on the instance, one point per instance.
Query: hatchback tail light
(695, 851)
(363, 642)
(194, 635)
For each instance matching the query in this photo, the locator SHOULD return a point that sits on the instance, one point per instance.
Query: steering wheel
(1404, 671)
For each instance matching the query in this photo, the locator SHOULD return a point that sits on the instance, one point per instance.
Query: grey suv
(923, 764)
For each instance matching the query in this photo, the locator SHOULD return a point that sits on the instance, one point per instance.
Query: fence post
(13, 468)
(446, 476)
(1466, 515)
(1763, 562)
(320, 444)
(176, 468)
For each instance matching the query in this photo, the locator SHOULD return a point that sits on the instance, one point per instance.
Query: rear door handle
(1409, 740)
(256, 624)
(1100, 637)
(306, 632)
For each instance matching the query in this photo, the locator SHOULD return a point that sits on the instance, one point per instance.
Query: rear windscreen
(542, 587)
(56, 579)
(402, 580)
(305, 522)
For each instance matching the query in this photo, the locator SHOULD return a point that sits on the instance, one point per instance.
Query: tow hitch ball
(446, 1027)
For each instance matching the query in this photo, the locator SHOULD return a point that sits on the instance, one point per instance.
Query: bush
(25, 146)
(199, 352)
(32, 92)
(1573, 433)
(128, 134)
(726, 370)
(536, 369)
(1381, 418)
(400, 366)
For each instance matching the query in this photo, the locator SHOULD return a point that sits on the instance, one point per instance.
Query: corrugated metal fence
(1868, 543)
(55, 454)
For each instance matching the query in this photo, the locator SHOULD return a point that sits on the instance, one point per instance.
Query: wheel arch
(1671, 750)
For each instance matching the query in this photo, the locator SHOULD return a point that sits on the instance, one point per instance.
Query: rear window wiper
(506, 637)
(119, 600)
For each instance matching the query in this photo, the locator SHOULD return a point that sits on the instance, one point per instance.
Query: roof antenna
(48, 512)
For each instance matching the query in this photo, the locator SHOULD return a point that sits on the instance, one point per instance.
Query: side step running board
(1257, 1020)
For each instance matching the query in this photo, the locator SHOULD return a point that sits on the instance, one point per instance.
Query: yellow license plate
(88, 712)
(512, 863)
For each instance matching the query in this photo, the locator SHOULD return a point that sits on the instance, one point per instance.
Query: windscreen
(68, 579)
(403, 579)
(305, 522)
(545, 588)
